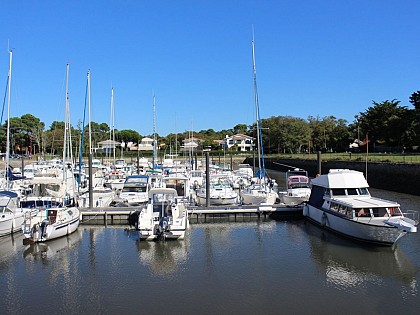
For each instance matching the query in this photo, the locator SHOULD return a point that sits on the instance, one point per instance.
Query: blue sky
(313, 58)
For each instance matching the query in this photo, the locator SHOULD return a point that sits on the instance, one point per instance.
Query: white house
(190, 144)
(146, 144)
(108, 145)
(244, 143)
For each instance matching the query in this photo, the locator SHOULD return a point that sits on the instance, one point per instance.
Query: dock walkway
(119, 215)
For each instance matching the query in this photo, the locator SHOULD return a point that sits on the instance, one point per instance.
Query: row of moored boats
(45, 202)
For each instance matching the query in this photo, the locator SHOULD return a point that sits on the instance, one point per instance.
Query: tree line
(387, 126)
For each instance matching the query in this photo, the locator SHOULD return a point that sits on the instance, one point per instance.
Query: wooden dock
(119, 215)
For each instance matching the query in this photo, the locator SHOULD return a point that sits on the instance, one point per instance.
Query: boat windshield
(134, 189)
(163, 197)
(350, 192)
(4, 210)
(363, 191)
(338, 192)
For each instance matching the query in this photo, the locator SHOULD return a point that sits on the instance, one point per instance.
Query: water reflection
(52, 249)
(347, 264)
(8, 247)
(163, 258)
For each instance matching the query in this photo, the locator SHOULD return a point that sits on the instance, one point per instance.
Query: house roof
(240, 136)
(109, 142)
(192, 139)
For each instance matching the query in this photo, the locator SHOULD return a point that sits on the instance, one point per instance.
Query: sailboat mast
(257, 112)
(8, 118)
(154, 133)
(90, 130)
(66, 121)
(111, 131)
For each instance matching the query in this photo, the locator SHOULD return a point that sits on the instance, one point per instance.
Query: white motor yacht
(221, 192)
(340, 201)
(11, 214)
(298, 189)
(135, 190)
(164, 217)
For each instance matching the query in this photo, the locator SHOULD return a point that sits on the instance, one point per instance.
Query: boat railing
(413, 215)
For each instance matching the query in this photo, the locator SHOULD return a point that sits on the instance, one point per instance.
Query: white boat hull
(295, 196)
(259, 197)
(149, 235)
(164, 217)
(38, 229)
(218, 201)
(293, 200)
(372, 230)
(11, 222)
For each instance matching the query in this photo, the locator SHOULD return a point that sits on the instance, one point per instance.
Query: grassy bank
(355, 157)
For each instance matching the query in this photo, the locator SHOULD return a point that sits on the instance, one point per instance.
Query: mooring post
(23, 167)
(90, 182)
(318, 156)
(207, 180)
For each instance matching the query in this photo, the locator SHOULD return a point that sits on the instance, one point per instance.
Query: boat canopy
(341, 178)
(362, 202)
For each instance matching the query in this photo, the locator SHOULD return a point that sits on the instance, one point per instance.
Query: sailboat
(54, 222)
(260, 191)
(101, 196)
(11, 214)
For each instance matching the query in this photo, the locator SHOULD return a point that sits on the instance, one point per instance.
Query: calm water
(252, 267)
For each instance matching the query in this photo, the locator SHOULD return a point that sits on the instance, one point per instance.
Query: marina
(248, 266)
(175, 190)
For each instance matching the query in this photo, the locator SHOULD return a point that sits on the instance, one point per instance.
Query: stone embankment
(403, 178)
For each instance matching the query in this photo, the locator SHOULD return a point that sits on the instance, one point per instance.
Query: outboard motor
(133, 219)
(44, 225)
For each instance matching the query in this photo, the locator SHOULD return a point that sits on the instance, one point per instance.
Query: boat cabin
(163, 201)
(136, 183)
(298, 181)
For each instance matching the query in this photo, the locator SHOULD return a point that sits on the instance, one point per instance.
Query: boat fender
(305, 211)
(324, 219)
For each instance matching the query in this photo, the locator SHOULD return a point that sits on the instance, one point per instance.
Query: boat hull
(363, 230)
(148, 235)
(293, 200)
(11, 223)
(218, 201)
(149, 229)
(260, 197)
(38, 229)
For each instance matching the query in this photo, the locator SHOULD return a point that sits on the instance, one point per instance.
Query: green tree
(329, 134)
(127, 135)
(386, 123)
(414, 127)
(415, 100)
(283, 134)
(240, 128)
